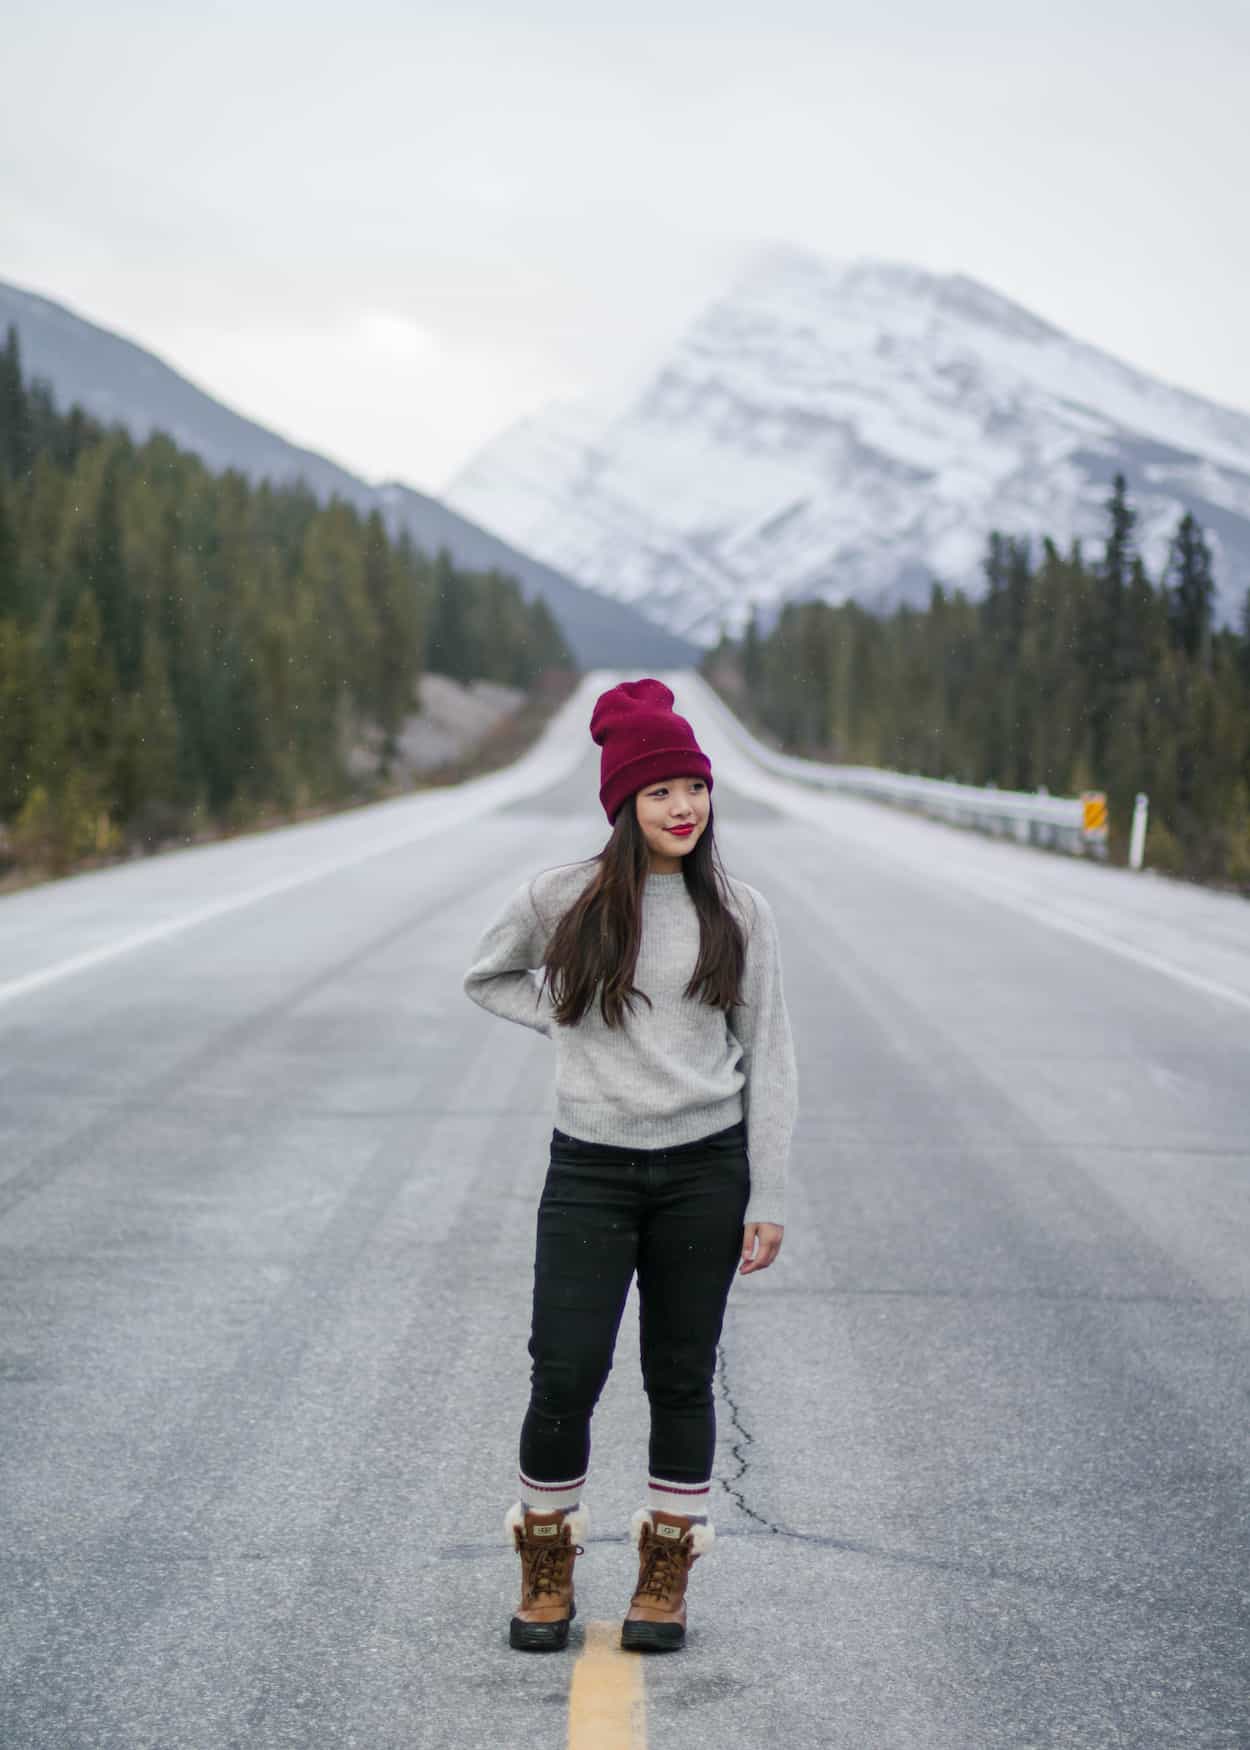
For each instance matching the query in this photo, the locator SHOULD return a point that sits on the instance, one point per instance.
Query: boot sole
(540, 1637)
(652, 1637)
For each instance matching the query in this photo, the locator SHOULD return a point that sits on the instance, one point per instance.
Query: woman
(676, 1093)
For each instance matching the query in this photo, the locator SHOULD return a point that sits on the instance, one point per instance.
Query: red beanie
(643, 739)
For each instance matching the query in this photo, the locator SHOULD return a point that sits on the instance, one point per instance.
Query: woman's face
(672, 814)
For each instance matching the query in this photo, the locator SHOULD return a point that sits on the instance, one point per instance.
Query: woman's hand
(763, 1239)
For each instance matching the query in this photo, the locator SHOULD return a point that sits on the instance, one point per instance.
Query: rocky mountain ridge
(855, 430)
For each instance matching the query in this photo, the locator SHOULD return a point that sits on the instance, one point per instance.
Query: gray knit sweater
(675, 1071)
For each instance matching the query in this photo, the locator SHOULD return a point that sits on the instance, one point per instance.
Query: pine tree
(394, 636)
(1120, 546)
(19, 704)
(549, 649)
(1143, 624)
(74, 752)
(110, 584)
(16, 444)
(994, 568)
(84, 722)
(1191, 594)
(145, 765)
(1105, 656)
(11, 592)
(751, 661)
(447, 645)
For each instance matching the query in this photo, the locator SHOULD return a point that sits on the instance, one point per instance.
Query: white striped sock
(690, 1499)
(545, 1497)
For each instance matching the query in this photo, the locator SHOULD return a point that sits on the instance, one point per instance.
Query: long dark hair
(594, 947)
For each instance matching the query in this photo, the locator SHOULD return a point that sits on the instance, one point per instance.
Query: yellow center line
(607, 1700)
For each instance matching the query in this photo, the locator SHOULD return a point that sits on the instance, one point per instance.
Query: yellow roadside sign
(1094, 814)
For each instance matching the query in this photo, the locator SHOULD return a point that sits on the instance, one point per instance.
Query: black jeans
(675, 1216)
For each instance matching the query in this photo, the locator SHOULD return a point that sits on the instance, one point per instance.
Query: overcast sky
(388, 230)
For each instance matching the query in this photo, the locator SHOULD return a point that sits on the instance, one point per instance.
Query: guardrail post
(1137, 833)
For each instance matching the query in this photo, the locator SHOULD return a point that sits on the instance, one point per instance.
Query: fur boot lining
(577, 1520)
(702, 1537)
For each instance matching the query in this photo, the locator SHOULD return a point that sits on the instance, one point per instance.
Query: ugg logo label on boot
(668, 1531)
(545, 1530)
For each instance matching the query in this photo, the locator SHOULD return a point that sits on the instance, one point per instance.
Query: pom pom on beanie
(643, 740)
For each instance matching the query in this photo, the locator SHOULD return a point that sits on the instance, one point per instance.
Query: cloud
(384, 335)
(411, 232)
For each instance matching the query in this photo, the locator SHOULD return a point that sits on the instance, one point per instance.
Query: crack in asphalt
(738, 1450)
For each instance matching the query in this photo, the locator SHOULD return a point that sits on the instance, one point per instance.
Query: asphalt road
(267, 1185)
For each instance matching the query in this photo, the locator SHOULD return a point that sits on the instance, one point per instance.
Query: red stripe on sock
(553, 1488)
(668, 1489)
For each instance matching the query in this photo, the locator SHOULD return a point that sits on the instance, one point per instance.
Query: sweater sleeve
(761, 1025)
(502, 978)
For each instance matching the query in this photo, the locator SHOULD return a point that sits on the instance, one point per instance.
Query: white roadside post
(1137, 833)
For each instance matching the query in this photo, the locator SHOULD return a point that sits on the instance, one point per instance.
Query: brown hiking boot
(547, 1544)
(668, 1545)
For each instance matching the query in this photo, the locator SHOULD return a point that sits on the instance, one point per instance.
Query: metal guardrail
(1076, 824)
(1057, 822)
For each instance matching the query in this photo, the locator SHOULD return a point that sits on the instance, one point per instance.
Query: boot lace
(548, 1568)
(663, 1567)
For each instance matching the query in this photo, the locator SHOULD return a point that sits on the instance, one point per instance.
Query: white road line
(46, 975)
(1028, 907)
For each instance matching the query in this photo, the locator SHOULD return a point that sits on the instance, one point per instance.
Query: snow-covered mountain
(854, 429)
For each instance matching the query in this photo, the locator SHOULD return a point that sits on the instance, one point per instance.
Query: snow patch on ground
(453, 719)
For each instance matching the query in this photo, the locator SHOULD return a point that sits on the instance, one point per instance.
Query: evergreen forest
(1070, 673)
(183, 651)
